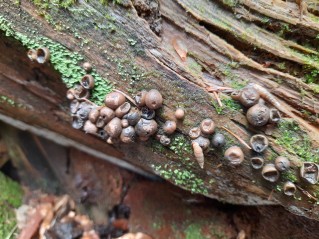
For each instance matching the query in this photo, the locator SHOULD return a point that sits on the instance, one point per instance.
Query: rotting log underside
(229, 43)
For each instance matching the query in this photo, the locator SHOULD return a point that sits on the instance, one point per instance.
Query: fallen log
(137, 45)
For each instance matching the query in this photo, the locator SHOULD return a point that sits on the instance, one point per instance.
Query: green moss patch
(182, 177)
(229, 106)
(194, 67)
(10, 198)
(195, 231)
(131, 73)
(180, 145)
(297, 142)
(11, 192)
(45, 4)
(289, 176)
(63, 60)
(311, 76)
(6, 100)
(231, 3)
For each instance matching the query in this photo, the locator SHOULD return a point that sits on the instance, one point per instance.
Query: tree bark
(132, 46)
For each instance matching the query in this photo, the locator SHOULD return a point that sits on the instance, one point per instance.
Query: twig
(237, 137)
(227, 91)
(217, 98)
(86, 100)
(82, 99)
(307, 193)
(217, 88)
(127, 96)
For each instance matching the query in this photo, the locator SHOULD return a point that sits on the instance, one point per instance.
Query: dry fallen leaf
(32, 225)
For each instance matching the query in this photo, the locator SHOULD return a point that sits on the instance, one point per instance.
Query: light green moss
(265, 19)
(10, 198)
(311, 61)
(9, 101)
(182, 177)
(230, 3)
(295, 141)
(278, 187)
(63, 60)
(312, 76)
(180, 145)
(236, 83)
(195, 231)
(284, 29)
(310, 116)
(281, 66)
(218, 108)
(311, 70)
(212, 181)
(157, 223)
(45, 8)
(315, 88)
(120, 2)
(229, 106)
(313, 17)
(46, 4)
(194, 67)
(289, 176)
(10, 191)
(156, 146)
(131, 73)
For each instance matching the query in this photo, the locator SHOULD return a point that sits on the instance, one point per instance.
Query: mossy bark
(229, 43)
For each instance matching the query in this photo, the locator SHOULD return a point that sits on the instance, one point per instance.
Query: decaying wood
(156, 207)
(227, 45)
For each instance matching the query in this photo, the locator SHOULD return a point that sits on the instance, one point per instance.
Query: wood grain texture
(223, 49)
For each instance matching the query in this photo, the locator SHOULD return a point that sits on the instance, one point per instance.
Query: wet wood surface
(156, 207)
(227, 45)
